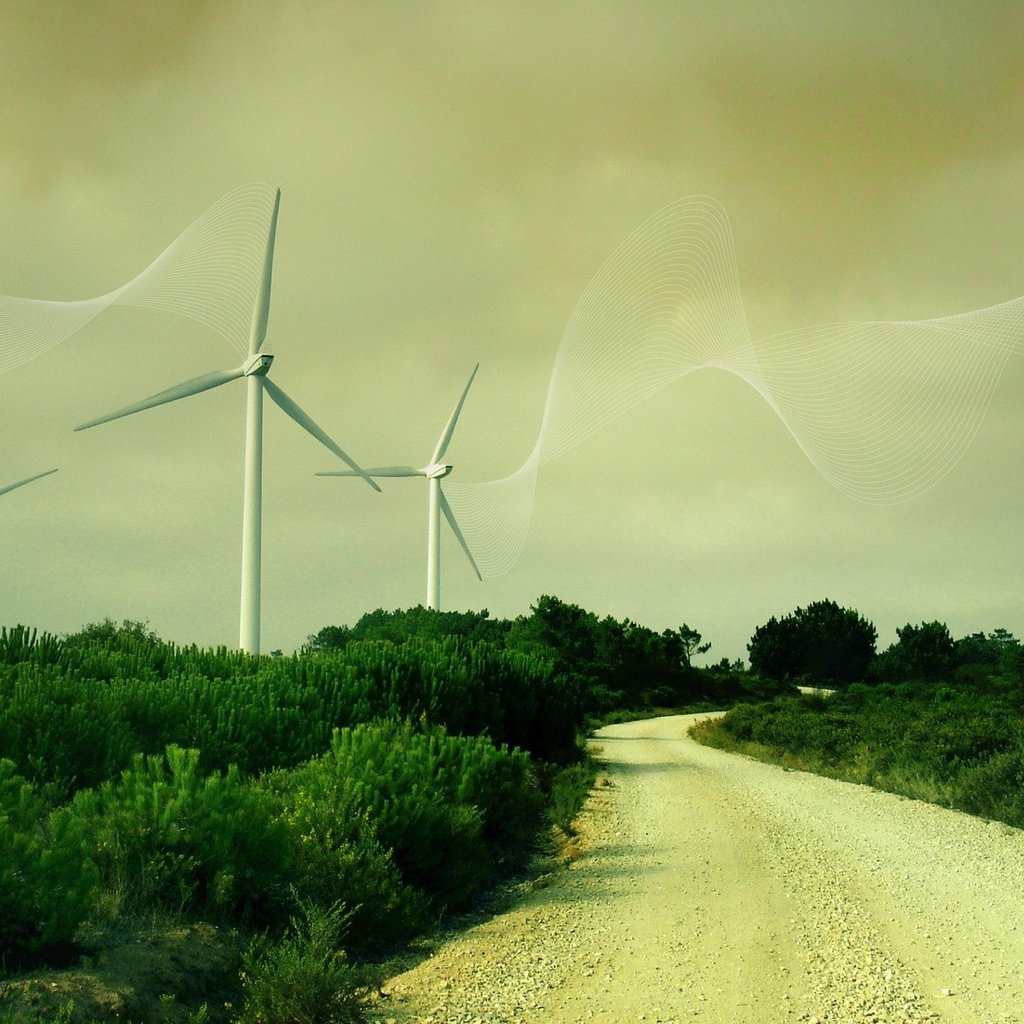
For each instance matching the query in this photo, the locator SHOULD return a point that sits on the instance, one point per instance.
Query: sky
(453, 176)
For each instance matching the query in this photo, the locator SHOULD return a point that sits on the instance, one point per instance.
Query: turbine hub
(257, 365)
(437, 471)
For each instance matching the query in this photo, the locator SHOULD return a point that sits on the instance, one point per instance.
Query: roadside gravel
(714, 888)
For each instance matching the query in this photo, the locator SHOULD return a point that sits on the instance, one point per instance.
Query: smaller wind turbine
(27, 480)
(254, 371)
(435, 471)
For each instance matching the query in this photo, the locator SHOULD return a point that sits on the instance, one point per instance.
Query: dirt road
(721, 890)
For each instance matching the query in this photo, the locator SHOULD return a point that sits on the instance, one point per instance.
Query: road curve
(721, 890)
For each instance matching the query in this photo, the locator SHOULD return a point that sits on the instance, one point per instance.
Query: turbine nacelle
(436, 471)
(257, 365)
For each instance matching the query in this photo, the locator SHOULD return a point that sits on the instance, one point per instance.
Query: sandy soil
(722, 890)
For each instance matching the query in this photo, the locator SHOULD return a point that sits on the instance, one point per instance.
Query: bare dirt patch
(125, 979)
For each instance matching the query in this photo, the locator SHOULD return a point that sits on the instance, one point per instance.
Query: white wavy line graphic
(883, 410)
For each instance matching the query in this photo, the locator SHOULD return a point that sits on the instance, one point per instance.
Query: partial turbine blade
(377, 471)
(184, 390)
(289, 407)
(261, 311)
(446, 436)
(450, 516)
(28, 480)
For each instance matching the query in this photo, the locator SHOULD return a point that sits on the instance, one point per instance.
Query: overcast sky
(453, 175)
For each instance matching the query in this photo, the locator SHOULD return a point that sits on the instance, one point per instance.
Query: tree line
(828, 645)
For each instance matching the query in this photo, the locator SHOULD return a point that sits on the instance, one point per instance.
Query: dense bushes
(822, 644)
(959, 747)
(615, 664)
(46, 873)
(608, 665)
(393, 822)
(379, 778)
(373, 785)
(305, 978)
(826, 645)
(74, 715)
(167, 833)
(425, 814)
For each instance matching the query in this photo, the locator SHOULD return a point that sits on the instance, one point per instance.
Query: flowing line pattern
(210, 273)
(883, 410)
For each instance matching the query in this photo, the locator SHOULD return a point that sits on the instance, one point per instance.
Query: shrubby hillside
(612, 665)
(344, 798)
(930, 717)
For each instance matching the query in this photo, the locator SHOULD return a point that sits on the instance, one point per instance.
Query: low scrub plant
(961, 748)
(305, 977)
(47, 877)
(436, 807)
(170, 834)
(569, 790)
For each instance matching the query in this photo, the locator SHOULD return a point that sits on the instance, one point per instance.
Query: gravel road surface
(717, 889)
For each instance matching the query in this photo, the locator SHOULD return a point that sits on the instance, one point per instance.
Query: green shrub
(46, 875)
(165, 832)
(994, 787)
(74, 712)
(305, 978)
(60, 731)
(441, 808)
(342, 862)
(957, 748)
(569, 791)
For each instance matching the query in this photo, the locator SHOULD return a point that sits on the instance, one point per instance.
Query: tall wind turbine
(254, 369)
(27, 480)
(435, 471)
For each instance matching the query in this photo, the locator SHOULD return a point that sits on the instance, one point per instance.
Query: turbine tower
(254, 369)
(27, 480)
(437, 504)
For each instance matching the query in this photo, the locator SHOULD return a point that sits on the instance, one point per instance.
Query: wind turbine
(435, 471)
(27, 480)
(254, 369)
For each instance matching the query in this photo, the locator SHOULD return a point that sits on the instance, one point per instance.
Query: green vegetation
(821, 642)
(608, 667)
(315, 813)
(305, 978)
(46, 873)
(323, 809)
(935, 718)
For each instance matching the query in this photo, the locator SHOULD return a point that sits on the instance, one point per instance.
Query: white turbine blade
(261, 312)
(184, 390)
(28, 480)
(445, 440)
(377, 471)
(288, 406)
(450, 516)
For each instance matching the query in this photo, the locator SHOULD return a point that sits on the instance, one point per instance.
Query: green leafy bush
(440, 808)
(58, 731)
(305, 978)
(167, 833)
(74, 712)
(339, 861)
(961, 748)
(46, 875)
(569, 790)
